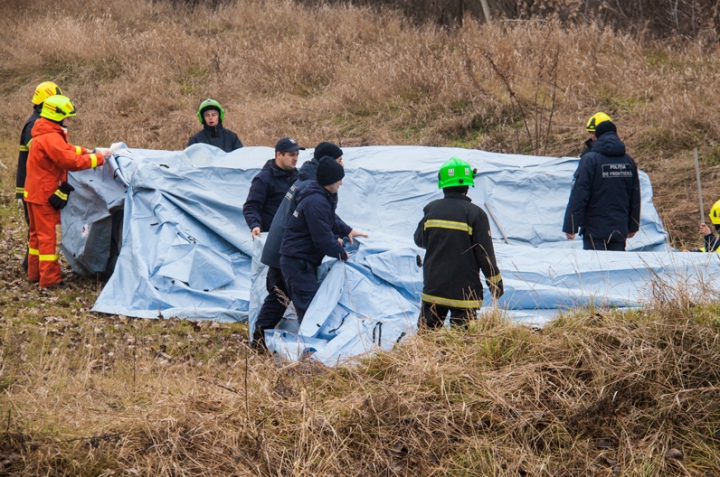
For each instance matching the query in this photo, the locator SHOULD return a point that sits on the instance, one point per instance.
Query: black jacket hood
(609, 144)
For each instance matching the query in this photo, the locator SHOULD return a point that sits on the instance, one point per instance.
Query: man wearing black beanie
(604, 205)
(310, 234)
(275, 303)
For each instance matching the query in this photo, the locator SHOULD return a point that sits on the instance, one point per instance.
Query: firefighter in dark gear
(711, 242)
(42, 92)
(211, 116)
(311, 235)
(270, 185)
(46, 187)
(275, 303)
(456, 236)
(604, 205)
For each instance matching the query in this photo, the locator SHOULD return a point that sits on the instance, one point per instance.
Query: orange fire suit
(49, 159)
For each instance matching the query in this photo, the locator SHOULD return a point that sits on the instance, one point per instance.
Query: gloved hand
(20, 203)
(59, 199)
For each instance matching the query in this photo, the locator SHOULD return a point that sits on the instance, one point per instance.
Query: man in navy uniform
(604, 204)
(311, 234)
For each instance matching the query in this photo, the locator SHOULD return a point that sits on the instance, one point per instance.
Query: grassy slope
(591, 394)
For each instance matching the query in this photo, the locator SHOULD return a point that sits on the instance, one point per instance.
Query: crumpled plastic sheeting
(187, 251)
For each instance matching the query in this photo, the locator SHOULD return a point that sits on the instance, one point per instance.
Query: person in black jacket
(42, 92)
(270, 185)
(456, 236)
(604, 203)
(711, 242)
(275, 303)
(211, 116)
(310, 235)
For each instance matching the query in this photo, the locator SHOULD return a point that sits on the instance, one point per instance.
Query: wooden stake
(697, 172)
(496, 223)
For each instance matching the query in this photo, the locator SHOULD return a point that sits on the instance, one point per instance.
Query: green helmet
(454, 173)
(210, 103)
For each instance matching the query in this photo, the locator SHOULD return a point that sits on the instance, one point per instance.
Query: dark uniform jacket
(711, 243)
(271, 250)
(25, 138)
(312, 228)
(456, 235)
(267, 190)
(216, 136)
(605, 197)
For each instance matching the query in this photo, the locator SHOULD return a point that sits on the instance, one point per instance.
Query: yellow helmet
(715, 213)
(596, 119)
(44, 91)
(57, 108)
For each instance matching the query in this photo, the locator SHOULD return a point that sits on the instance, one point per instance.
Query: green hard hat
(210, 103)
(454, 173)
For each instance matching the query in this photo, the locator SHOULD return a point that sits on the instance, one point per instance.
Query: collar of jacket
(308, 171)
(279, 172)
(609, 144)
(45, 126)
(457, 195)
(213, 131)
(313, 187)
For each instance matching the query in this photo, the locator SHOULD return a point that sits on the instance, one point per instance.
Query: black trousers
(27, 221)
(273, 308)
(613, 246)
(301, 280)
(433, 315)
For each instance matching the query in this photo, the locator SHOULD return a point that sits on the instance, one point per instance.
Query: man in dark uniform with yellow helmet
(604, 204)
(711, 242)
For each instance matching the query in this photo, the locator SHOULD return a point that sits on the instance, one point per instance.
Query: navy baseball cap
(288, 144)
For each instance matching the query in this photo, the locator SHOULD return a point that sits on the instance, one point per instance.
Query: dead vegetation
(596, 392)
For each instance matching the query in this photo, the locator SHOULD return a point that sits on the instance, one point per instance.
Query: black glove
(59, 199)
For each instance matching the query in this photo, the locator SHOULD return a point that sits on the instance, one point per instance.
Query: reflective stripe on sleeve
(451, 303)
(19, 190)
(448, 224)
(78, 150)
(61, 194)
(93, 161)
(49, 258)
(495, 278)
(24, 148)
(33, 251)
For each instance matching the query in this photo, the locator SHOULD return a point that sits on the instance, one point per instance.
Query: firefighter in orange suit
(46, 188)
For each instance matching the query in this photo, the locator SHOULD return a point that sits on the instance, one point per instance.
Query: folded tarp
(187, 251)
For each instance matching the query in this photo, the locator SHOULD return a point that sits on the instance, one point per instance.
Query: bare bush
(655, 18)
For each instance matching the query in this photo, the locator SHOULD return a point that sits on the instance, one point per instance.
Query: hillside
(138, 69)
(596, 392)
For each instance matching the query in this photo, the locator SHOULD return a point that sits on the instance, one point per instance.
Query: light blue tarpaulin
(187, 251)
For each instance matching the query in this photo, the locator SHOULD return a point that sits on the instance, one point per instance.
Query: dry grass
(594, 393)
(138, 69)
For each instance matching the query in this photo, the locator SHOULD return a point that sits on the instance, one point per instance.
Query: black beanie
(327, 149)
(329, 171)
(604, 127)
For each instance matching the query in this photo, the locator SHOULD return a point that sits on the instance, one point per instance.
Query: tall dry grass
(594, 393)
(137, 70)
